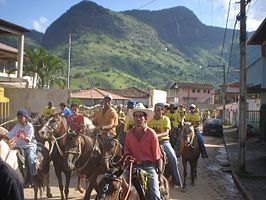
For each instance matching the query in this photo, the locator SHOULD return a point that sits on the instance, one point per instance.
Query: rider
(206, 115)
(120, 113)
(194, 118)
(76, 120)
(22, 135)
(48, 111)
(162, 125)
(175, 127)
(182, 112)
(66, 112)
(129, 121)
(213, 113)
(142, 145)
(106, 119)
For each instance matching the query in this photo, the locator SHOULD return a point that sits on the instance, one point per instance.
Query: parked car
(213, 127)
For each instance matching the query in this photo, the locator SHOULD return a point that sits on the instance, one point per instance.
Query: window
(198, 90)
(208, 91)
(193, 90)
(204, 91)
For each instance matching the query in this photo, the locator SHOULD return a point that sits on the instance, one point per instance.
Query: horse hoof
(81, 190)
(49, 195)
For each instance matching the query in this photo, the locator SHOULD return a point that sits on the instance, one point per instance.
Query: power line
(231, 49)
(225, 30)
(146, 4)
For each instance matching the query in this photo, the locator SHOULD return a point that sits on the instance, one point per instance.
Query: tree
(46, 69)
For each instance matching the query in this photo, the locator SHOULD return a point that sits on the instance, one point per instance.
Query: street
(212, 183)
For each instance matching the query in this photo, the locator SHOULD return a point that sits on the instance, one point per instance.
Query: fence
(253, 118)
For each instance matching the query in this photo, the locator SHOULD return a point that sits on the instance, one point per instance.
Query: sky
(39, 14)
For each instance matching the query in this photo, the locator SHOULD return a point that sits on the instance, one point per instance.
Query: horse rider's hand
(22, 135)
(161, 180)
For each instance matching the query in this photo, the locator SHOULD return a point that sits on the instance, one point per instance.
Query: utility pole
(69, 59)
(224, 88)
(242, 103)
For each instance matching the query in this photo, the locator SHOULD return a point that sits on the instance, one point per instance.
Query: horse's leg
(192, 174)
(184, 162)
(47, 183)
(68, 176)
(59, 178)
(80, 189)
(88, 191)
(35, 188)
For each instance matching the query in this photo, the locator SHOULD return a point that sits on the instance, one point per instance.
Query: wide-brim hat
(141, 108)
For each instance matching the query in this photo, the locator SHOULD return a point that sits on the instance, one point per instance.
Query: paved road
(212, 182)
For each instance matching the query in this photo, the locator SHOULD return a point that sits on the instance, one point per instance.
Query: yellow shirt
(160, 126)
(121, 115)
(174, 118)
(107, 118)
(128, 123)
(47, 112)
(181, 112)
(192, 118)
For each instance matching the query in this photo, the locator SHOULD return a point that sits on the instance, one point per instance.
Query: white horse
(9, 156)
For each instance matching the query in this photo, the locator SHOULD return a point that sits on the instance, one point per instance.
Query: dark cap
(23, 113)
(62, 104)
(160, 105)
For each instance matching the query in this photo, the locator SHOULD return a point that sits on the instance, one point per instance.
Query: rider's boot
(203, 150)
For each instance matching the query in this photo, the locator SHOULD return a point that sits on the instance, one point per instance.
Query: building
(187, 93)
(232, 93)
(256, 72)
(11, 59)
(93, 96)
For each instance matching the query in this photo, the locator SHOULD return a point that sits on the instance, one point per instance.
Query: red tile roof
(95, 93)
(131, 92)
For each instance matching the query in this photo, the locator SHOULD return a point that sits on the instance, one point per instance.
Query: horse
(42, 177)
(189, 152)
(55, 132)
(37, 122)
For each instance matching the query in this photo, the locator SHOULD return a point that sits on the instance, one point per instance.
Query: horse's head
(188, 133)
(55, 126)
(111, 150)
(73, 147)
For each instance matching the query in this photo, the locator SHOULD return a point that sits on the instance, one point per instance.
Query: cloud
(255, 12)
(40, 24)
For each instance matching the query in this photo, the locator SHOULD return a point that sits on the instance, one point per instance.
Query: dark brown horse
(189, 151)
(55, 131)
(114, 164)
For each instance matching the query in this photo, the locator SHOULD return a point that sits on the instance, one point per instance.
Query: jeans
(201, 143)
(174, 165)
(31, 158)
(154, 191)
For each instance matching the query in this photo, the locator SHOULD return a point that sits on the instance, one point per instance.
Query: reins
(129, 180)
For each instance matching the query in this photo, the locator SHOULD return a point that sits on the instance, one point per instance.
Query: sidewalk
(253, 183)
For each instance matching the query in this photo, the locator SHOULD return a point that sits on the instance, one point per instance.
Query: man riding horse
(106, 119)
(142, 145)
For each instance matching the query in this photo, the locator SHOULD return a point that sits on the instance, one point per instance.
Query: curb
(236, 179)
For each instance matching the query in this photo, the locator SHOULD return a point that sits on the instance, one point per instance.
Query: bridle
(110, 158)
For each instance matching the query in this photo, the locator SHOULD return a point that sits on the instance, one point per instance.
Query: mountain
(138, 47)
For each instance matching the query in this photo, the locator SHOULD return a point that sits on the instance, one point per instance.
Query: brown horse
(189, 151)
(55, 131)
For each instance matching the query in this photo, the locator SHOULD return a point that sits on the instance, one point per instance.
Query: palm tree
(46, 69)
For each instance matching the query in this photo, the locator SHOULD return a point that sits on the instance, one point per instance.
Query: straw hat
(141, 108)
